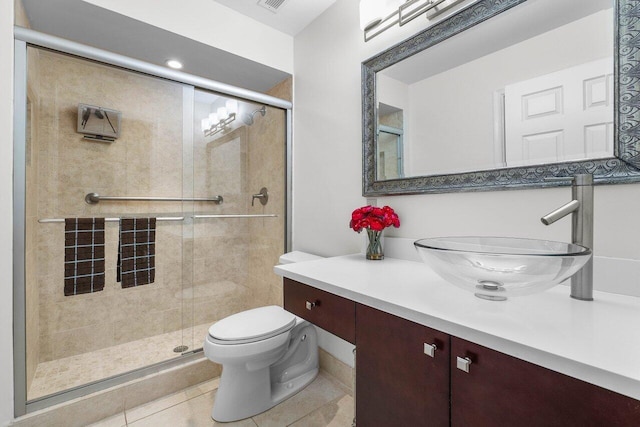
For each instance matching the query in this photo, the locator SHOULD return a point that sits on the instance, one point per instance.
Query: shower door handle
(263, 195)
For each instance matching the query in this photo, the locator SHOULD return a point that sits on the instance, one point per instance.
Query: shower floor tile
(63, 374)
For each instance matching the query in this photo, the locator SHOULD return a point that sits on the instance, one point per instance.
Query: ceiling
(291, 18)
(104, 29)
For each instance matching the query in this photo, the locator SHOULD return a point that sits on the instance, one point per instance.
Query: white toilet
(267, 355)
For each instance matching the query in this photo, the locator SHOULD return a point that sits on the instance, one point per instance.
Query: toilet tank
(297, 256)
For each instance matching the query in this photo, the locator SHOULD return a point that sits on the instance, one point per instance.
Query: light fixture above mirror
(377, 16)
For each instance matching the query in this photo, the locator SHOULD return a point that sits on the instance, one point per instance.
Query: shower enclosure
(190, 156)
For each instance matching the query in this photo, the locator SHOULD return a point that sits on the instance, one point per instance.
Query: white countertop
(597, 342)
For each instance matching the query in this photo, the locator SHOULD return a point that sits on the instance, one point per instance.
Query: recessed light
(174, 63)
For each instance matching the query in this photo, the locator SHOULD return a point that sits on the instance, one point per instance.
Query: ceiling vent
(272, 5)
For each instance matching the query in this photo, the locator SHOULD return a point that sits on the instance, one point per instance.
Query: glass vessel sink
(495, 268)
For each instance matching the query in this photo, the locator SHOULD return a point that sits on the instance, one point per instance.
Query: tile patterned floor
(69, 372)
(324, 403)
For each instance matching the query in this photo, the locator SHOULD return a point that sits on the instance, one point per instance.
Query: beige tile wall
(219, 245)
(267, 169)
(146, 160)
(240, 253)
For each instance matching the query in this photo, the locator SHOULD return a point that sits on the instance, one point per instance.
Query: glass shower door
(108, 143)
(238, 149)
(76, 108)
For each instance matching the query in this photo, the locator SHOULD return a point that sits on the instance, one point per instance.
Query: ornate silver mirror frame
(624, 167)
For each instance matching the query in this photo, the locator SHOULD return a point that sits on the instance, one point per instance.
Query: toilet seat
(252, 325)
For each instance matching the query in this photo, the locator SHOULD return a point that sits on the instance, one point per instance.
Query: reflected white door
(562, 116)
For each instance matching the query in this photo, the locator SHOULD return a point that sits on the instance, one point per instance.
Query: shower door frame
(23, 38)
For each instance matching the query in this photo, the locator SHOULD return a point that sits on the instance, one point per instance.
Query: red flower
(374, 218)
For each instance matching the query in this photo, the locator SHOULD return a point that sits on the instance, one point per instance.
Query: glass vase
(374, 246)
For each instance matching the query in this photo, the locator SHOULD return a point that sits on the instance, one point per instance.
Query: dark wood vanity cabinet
(501, 390)
(399, 383)
(328, 311)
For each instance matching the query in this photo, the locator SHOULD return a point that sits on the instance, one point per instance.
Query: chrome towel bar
(236, 216)
(160, 218)
(93, 198)
(172, 218)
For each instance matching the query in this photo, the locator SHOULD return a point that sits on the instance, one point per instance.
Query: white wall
(328, 162)
(6, 211)
(392, 92)
(211, 23)
(327, 171)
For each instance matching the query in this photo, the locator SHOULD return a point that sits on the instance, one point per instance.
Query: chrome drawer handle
(430, 349)
(310, 305)
(463, 363)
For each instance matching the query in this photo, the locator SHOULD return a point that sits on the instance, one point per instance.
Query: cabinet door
(397, 384)
(500, 390)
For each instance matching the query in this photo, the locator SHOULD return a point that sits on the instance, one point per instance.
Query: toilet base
(245, 391)
(238, 402)
(283, 391)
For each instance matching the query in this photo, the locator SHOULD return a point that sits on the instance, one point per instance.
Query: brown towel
(136, 251)
(83, 255)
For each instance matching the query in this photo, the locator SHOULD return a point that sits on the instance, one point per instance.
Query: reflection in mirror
(532, 86)
(389, 144)
(506, 93)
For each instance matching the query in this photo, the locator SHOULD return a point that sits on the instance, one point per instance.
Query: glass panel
(239, 148)
(84, 337)
(389, 148)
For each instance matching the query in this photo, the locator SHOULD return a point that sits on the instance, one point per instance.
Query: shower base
(63, 374)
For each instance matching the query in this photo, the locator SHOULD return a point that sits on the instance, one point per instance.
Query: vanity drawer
(328, 311)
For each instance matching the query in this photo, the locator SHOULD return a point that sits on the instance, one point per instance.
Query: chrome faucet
(581, 208)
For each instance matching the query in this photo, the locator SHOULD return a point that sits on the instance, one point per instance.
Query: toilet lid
(253, 325)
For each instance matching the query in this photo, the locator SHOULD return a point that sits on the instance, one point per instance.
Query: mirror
(504, 94)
